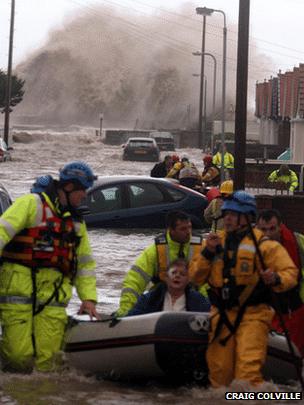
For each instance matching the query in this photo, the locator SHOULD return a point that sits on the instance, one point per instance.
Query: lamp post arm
(224, 15)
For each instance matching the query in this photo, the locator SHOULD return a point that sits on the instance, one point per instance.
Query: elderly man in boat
(150, 267)
(173, 294)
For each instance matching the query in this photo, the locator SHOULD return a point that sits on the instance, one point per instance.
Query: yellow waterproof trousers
(243, 355)
(29, 341)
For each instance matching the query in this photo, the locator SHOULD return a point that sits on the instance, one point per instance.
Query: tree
(17, 91)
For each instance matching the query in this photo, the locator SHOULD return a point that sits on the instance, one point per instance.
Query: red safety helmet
(175, 158)
(213, 193)
(207, 160)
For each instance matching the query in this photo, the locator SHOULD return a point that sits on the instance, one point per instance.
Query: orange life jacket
(50, 244)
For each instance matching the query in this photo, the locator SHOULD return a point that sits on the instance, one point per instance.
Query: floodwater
(114, 250)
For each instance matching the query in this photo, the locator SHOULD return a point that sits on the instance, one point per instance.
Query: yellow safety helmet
(226, 187)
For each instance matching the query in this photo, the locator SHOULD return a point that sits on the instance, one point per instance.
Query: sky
(275, 25)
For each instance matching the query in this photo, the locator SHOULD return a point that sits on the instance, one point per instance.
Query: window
(175, 194)
(105, 199)
(143, 194)
(141, 144)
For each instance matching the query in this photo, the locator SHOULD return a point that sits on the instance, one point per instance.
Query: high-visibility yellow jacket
(228, 160)
(291, 179)
(213, 215)
(211, 176)
(204, 268)
(152, 263)
(174, 172)
(16, 284)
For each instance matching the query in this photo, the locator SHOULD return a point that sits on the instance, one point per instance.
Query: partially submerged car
(140, 202)
(164, 140)
(144, 149)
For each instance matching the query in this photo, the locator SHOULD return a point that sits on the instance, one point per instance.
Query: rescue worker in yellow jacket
(177, 167)
(285, 176)
(44, 252)
(213, 213)
(228, 159)
(151, 265)
(240, 295)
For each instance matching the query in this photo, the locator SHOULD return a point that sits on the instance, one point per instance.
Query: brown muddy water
(114, 250)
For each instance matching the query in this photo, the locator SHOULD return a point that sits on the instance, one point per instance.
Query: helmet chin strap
(240, 226)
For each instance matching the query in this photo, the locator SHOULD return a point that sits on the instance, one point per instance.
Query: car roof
(125, 178)
(162, 135)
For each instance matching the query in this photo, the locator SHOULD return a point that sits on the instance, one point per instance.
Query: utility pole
(205, 113)
(8, 89)
(241, 96)
(201, 135)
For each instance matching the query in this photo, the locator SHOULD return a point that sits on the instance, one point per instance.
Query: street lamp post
(204, 114)
(204, 12)
(100, 126)
(209, 11)
(214, 92)
(8, 87)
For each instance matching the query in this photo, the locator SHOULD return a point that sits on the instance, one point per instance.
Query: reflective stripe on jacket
(16, 279)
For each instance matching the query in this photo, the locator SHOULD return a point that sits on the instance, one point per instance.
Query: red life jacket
(50, 244)
(289, 242)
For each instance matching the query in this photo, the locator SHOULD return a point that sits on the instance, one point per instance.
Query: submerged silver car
(144, 149)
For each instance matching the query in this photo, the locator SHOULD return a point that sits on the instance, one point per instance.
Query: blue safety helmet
(241, 202)
(79, 172)
(41, 183)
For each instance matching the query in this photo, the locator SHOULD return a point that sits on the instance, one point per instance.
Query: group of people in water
(247, 259)
(188, 174)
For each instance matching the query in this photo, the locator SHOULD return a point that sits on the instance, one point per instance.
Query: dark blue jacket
(153, 301)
